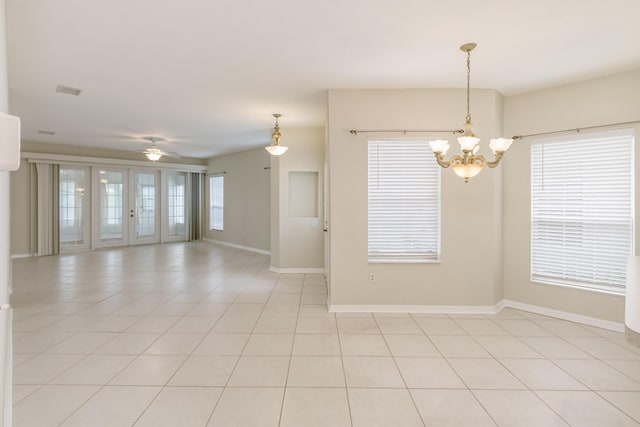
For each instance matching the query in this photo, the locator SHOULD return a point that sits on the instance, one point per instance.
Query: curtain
(195, 204)
(47, 207)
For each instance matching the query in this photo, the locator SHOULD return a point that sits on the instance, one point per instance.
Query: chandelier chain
(468, 85)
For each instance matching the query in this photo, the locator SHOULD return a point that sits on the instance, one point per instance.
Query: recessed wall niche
(303, 194)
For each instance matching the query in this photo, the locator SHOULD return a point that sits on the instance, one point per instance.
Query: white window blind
(582, 210)
(216, 202)
(404, 202)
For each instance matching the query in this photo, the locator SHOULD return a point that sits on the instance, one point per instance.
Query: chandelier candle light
(469, 164)
(275, 149)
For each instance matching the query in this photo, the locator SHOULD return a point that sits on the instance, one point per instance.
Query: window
(176, 206)
(74, 208)
(404, 202)
(582, 210)
(216, 202)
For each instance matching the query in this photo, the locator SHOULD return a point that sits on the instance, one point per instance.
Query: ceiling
(206, 75)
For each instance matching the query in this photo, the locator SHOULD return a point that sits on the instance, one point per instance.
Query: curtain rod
(575, 129)
(355, 132)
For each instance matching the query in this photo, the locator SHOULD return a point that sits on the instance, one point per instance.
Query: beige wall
(246, 199)
(469, 272)
(596, 102)
(297, 242)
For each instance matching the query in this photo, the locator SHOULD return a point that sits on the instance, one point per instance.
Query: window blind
(582, 210)
(404, 201)
(216, 202)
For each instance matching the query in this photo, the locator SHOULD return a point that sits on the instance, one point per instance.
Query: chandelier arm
(445, 164)
(498, 157)
(441, 161)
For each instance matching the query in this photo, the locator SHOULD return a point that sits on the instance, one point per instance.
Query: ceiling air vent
(46, 132)
(67, 90)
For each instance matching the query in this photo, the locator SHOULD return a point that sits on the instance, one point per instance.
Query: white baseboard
(478, 309)
(18, 256)
(578, 318)
(297, 270)
(233, 245)
(434, 309)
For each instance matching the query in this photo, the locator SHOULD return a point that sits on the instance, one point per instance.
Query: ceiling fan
(154, 153)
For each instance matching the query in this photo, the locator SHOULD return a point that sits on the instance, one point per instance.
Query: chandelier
(275, 149)
(469, 164)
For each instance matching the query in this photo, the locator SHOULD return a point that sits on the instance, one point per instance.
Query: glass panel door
(75, 195)
(144, 211)
(111, 207)
(176, 206)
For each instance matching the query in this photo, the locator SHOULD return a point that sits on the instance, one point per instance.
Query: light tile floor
(200, 335)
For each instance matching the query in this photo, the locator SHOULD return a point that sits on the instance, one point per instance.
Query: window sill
(405, 261)
(619, 293)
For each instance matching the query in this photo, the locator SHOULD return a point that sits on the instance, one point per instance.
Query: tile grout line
(395, 363)
(293, 343)
(344, 371)
(446, 359)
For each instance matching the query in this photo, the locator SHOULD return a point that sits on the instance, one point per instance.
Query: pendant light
(275, 149)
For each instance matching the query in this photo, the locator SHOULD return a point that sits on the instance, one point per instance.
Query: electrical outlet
(372, 277)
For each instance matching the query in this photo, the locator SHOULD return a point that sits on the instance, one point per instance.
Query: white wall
(6, 315)
(595, 102)
(297, 242)
(246, 199)
(469, 273)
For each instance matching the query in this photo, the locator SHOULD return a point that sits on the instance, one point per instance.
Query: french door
(102, 206)
(144, 207)
(175, 224)
(126, 207)
(74, 208)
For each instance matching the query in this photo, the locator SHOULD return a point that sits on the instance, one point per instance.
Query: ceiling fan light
(276, 150)
(154, 156)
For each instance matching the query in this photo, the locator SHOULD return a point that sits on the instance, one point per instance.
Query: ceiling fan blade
(169, 154)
